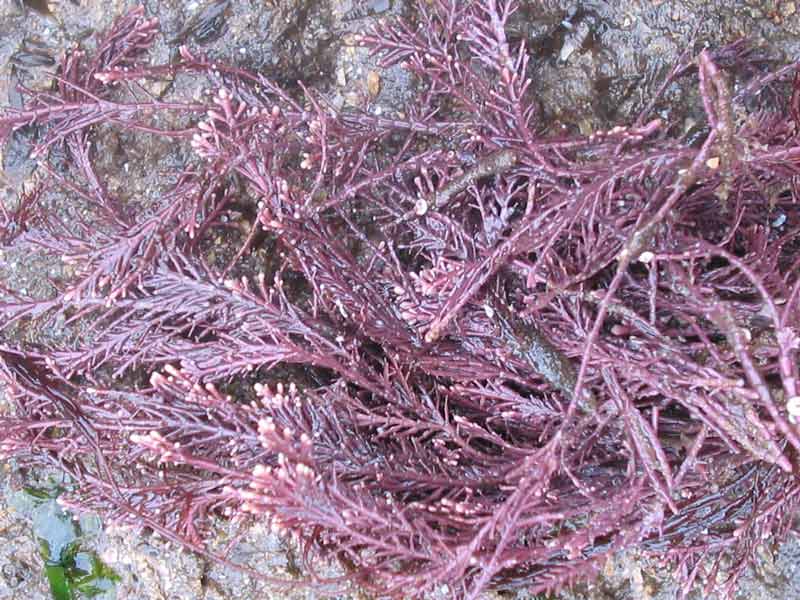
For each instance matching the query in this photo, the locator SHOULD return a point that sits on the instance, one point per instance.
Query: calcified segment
(510, 355)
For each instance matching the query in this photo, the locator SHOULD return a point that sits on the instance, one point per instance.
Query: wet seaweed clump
(438, 345)
(71, 568)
